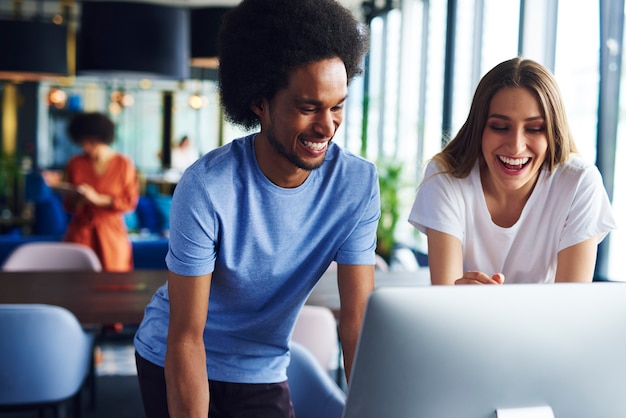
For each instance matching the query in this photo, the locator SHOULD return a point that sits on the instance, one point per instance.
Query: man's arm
(185, 360)
(355, 283)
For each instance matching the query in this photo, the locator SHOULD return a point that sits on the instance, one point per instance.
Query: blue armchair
(45, 358)
(314, 394)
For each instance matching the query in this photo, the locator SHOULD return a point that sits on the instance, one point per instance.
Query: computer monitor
(470, 351)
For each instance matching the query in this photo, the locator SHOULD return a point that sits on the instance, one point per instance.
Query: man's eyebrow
(315, 102)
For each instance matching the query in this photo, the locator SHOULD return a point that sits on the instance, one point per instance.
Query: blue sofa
(148, 225)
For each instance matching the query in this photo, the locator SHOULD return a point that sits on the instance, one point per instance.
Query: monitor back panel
(465, 351)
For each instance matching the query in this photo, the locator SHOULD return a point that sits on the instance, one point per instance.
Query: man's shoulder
(346, 159)
(234, 152)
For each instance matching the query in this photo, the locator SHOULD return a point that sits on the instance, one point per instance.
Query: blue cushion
(150, 253)
(36, 189)
(131, 219)
(50, 217)
(163, 204)
(148, 215)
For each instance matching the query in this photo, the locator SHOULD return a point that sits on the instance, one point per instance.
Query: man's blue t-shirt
(266, 248)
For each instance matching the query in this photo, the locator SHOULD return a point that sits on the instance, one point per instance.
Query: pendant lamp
(205, 24)
(133, 40)
(32, 50)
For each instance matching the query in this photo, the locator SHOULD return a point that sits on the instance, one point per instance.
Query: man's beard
(292, 157)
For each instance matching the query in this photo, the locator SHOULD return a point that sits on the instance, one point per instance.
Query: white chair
(381, 264)
(316, 329)
(46, 256)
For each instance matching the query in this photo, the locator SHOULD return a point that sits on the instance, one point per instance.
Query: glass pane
(500, 33)
(495, 36)
(617, 262)
(576, 70)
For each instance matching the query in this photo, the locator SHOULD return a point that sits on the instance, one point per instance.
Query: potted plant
(389, 178)
(9, 175)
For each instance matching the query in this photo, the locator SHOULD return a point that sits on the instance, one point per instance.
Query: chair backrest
(45, 355)
(313, 393)
(48, 256)
(381, 264)
(316, 329)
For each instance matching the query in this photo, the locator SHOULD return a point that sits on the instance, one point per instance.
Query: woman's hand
(87, 192)
(478, 277)
(92, 196)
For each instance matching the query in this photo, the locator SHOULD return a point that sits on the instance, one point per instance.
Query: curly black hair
(91, 125)
(261, 41)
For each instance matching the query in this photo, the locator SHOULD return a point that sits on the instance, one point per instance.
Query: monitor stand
(534, 412)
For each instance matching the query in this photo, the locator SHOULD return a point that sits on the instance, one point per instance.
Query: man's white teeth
(316, 146)
(514, 161)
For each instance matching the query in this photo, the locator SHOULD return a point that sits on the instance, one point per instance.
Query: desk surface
(94, 297)
(105, 297)
(326, 293)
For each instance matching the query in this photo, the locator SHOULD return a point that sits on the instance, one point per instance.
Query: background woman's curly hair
(260, 41)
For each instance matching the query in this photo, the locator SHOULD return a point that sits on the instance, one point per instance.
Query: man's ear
(258, 107)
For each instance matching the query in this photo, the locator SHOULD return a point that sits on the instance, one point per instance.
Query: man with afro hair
(255, 223)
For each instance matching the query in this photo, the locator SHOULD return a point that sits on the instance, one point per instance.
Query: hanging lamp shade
(32, 50)
(205, 24)
(133, 40)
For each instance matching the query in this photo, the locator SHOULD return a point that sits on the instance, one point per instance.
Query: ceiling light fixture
(33, 50)
(205, 24)
(133, 40)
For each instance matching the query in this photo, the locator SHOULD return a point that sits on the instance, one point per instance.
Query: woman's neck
(505, 206)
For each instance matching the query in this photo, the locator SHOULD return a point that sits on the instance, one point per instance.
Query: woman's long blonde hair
(460, 154)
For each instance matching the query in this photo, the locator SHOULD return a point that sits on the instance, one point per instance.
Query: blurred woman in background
(105, 186)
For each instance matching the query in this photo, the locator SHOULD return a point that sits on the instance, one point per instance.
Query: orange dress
(104, 229)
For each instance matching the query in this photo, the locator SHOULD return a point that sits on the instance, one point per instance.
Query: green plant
(9, 173)
(389, 179)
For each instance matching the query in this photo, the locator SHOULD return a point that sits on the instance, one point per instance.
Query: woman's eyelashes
(507, 128)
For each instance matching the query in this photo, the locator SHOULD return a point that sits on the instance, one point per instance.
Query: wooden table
(106, 298)
(94, 297)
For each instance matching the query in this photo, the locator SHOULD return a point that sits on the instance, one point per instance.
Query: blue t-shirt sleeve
(360, 246)
(192, 229)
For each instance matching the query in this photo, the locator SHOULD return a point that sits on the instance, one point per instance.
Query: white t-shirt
(565, 208)
(182, 158)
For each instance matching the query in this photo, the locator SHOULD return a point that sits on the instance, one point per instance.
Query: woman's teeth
(514, 162)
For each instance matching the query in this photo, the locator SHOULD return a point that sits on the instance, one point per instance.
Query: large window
(407, 119)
